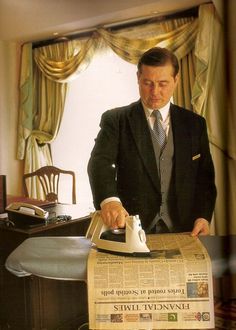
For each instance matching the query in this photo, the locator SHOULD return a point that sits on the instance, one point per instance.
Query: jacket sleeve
(102, 163)
(205, 192)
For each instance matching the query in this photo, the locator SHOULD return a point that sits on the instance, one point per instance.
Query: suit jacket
(123, 164)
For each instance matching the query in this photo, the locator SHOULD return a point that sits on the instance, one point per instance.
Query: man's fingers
(107, 218)
(201, 227)
(113, 214)
(120, 220)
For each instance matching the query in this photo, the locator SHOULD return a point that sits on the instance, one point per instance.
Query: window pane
(107, 83)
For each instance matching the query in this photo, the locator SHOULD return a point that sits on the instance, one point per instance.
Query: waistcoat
(164, 163)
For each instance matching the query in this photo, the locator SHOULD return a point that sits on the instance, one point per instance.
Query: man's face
(156, 85)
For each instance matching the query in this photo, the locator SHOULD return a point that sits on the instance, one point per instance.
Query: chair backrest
(49, 177)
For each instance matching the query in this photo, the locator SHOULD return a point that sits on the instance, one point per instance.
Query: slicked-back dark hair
(158, 56)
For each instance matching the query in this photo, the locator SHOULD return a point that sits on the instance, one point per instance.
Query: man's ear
(176, 78)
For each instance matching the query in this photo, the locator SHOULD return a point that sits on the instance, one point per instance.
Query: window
(108, 82)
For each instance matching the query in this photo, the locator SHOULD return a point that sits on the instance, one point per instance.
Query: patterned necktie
(158, 129)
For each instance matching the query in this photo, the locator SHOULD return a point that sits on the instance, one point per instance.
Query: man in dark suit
(152, 157)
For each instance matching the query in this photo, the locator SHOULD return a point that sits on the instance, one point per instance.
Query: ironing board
(59, 258)
(65, 258)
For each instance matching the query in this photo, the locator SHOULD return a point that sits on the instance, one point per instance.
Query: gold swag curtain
(79, 55)
(180, 40)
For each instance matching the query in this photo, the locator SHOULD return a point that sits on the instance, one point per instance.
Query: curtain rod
(116, 26)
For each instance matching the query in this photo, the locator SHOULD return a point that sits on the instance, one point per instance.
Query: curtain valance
(180, 40)
(80, 53)
(75, 57)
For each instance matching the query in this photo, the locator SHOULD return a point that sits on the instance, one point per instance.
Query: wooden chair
(49, 177)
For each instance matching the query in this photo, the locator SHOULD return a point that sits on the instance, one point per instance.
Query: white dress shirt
(165, 114)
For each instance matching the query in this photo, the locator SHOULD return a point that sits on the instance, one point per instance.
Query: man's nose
(155, 89)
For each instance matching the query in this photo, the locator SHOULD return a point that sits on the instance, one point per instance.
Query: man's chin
(156, 105)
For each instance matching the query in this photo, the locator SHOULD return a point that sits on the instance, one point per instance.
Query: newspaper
(171, 289)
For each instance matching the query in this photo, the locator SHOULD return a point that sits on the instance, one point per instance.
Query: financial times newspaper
(172, 289)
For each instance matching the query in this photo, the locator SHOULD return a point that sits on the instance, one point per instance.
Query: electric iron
(130, 240)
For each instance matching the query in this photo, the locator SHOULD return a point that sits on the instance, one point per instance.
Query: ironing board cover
(64, 258)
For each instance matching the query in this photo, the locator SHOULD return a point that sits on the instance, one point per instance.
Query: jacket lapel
(141, 133)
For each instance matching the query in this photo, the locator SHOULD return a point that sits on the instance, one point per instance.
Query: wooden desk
(36, 303)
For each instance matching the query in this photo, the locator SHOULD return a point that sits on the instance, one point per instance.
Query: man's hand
(113, 214)
(201, 227)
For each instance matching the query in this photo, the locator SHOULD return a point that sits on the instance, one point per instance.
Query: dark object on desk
(49, 177)
(3, 193)
(29, 215)
(20, 219)
(26, 214)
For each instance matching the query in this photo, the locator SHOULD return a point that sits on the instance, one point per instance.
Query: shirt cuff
(110, 199)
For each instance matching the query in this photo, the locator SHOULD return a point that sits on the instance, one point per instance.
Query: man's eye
(163, 84)
(148, 83)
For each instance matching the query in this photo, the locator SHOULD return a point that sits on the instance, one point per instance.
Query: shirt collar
(164, 111)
